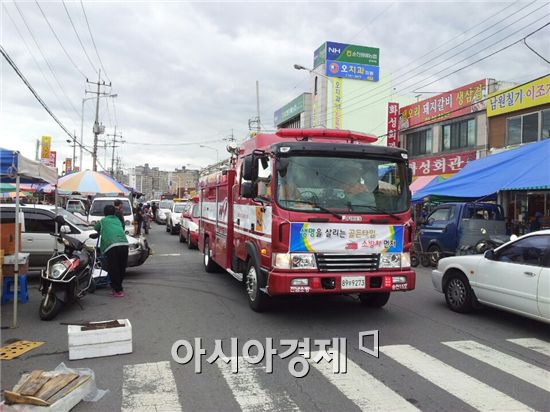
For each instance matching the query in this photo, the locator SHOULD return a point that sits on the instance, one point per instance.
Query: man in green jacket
(114, 246)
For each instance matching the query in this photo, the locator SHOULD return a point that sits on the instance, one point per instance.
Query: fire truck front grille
(334, 262)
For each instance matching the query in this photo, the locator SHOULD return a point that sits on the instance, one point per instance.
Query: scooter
(68, 274)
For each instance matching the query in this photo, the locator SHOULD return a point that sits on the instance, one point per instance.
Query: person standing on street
(114, 245)
(154, 209)
(147, 216)
(138, 213)
(119, 212)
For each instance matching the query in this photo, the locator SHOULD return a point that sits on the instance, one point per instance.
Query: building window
(419, 143)
(459, 135)
(528, 127)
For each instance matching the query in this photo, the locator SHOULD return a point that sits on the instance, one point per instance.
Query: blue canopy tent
(524, 168)
(17, 169)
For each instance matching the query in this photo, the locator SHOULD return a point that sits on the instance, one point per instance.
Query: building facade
(518, 116)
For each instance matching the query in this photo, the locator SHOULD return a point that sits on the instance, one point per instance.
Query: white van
(99, 203)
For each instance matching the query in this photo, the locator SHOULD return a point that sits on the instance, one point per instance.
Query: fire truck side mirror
(248, 190)
(409, 175)
(250, 168)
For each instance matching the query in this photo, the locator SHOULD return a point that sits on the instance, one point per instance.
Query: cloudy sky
(185, 72)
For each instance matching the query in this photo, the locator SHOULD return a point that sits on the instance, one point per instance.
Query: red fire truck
(310, 211)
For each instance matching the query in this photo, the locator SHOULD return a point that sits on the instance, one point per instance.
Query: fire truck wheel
(374, 300)
(209, 265)
(255, 280)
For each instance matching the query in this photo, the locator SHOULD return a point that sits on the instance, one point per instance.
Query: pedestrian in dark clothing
(119, 212)
(154, 209)
(138, 213)
(114, 246)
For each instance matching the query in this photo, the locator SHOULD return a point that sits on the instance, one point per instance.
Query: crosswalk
(152, 386)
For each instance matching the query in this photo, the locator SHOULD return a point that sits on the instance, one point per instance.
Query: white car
(99, 203)
(173, 218)
(39, 223)
(164, 207)
(514, 277)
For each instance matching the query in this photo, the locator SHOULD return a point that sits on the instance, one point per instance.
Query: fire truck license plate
(352, 282)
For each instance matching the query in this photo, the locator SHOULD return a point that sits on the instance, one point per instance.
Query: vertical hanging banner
(393, 124)
(52, 161)
(337, 103)
(68, 165)
(46, 144)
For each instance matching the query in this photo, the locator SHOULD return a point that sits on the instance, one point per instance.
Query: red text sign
(393, 124)
(454, 103)
(440, 165)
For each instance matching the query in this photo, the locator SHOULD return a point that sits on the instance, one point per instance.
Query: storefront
(519, 116)
(295, 114)
(443, 133)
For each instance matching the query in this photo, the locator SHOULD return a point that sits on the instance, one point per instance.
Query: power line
(14, 66)
(63, 107)
(78, 37)
(45, 59)
(93, 42)
(430, 121)
(450, 66)
(59, 41)
(416, 86)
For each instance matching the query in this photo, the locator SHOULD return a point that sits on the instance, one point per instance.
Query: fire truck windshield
(352, 185)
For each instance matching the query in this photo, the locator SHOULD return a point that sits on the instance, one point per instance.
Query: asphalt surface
(170, 298)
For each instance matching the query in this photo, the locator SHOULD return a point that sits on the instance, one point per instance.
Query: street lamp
(84, 100)
(307, 69)
(213, 148)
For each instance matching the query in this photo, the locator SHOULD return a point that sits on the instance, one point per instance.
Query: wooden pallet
(43, 388)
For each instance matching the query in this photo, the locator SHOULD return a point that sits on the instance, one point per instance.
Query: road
(430, 358)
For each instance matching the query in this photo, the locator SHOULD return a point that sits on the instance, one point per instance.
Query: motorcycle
(68, 274)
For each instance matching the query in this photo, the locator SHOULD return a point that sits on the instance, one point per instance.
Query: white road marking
(248, 390)
(537, 345)
(149, 387)
(169, 254)
(529, 373)
(468, 389)
(367, 392)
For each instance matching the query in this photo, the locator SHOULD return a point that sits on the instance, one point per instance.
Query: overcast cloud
(186, 72)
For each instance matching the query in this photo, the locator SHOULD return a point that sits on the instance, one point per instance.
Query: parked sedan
(173, 218)
(514, 277)
(38, 223)
(189, 226)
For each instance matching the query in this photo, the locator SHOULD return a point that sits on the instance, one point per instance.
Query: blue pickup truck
(452, 227)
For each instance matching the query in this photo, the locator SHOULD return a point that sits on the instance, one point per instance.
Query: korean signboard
(440, 165)
(532, 94)
(352, 54)
(344, 237)
(320, 55)
(68, 165)
(289, 110)
(454, 103)
(337, 103)
(46, 144)
(393, 124)
(354, 71)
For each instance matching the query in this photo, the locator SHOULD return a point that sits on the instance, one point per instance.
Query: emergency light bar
(327, 134)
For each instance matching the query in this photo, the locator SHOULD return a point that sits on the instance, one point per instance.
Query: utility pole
(98, 129)
(74, 150)
(113, 145)
(37, 150)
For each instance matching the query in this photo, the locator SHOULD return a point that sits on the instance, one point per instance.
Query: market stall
(15, 168)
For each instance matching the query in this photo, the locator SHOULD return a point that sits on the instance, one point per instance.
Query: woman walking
(114, 246)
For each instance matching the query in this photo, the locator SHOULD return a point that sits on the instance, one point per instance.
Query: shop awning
(422, 181)
(524, 168)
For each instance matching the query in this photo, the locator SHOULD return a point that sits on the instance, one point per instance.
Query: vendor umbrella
(6, 187)
(88, 182)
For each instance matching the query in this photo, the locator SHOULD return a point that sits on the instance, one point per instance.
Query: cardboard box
(8, 268)
(7, 238)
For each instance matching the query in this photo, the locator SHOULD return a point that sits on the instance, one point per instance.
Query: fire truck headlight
(405, 260)
(390, 260)
(281, 260)
(303, 261)
(294, 261)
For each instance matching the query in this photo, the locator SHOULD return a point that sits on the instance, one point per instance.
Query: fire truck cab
(310, 211)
